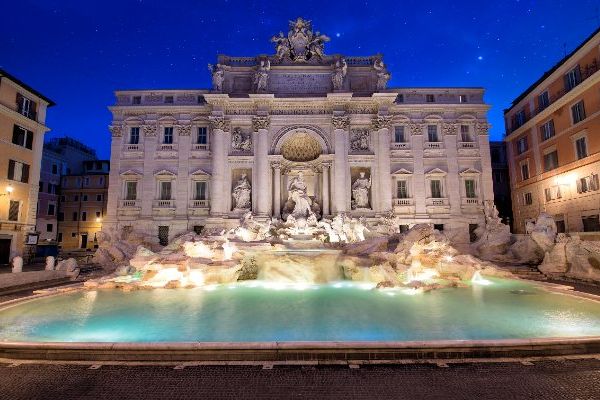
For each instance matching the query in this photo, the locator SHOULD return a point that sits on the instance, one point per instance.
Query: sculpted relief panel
(359, 140)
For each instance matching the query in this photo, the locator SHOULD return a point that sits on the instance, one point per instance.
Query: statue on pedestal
(360, 192)
(242, 194)
(261, 78)
(383, 76)
(218, 76)
(339, 74)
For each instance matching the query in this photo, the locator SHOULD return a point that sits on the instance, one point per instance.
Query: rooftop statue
(218, 76)
(301, 44)
(383, 76)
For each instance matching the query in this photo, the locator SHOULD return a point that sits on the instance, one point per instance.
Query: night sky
(78, 52)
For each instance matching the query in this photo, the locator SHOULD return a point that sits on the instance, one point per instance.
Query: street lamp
(9, 190)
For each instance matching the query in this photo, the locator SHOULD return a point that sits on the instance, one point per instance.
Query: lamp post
(9, 190)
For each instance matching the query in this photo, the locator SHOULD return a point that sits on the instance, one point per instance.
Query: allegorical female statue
(339, 74)
(242, 194)
(261, 77)
(218, 76)
(360, 192)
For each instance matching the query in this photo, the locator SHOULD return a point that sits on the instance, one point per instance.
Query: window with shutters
(26, 106)
(572, 78)
(581, 148)
(522, 145)
(551, 161)
(543, 100)
(525, 171)
(22, 137)
(470, 190)
(578, 112)
(84, 215)
(547, 130)
(18, 171)
(588, 184)
(552, 193)
(13, 210)
(528, 199)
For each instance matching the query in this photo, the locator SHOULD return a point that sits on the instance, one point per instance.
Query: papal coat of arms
(301, 44)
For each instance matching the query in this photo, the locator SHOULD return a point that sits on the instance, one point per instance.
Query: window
(52, 188)
(61, 216)
(543, 100)
(165, 190)
(163, 235)
(436, 188)
(578, 112)
(75, 216)
(49, 227)
(134, 135)
(528, 199)
(588, 184)
(552, 193)
(430, 98)
(200, 190)
(76, 197)
(25, 106)
(572, 78)
(202, 135)
(551, 161)
(591, 223)
(101, 180)
(41, 188)
(136, 100)
(131, 190)
(547, 130)
(13, 210)
(86, 181)
(404, 228)
(98, 197)
(78, 182)
(54, 169)
(51, 209)
(18, 171)
(84, 197)
(84, 216)
(168, 137)
(470, 189)
(402, 189)
(59, 238)
(520, 118)
(462, 98)
(472, 232)
(399, 134)
(73, 234)
(201, 100)
(22, 137)
(560, 224)
(522, 145)
(581, 148)
(525, 171)
(169, 99)
(98, 214)
(432, 133)
(438, 227)
(465, 134)
(63, 198)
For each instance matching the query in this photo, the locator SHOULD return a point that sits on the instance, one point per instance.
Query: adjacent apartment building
(82, 206)
(22, 129)
(553, 138)
(501, 179)
(61, 156)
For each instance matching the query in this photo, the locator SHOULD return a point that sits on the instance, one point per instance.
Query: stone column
(260, 125)
(325, 189)
(115, 187)
(419, 190)
(182, 193)
(277, 190)
(453, 183)
(219, 159)
(34, 177)
(340, 124)
(487, 183)
(147, 185)
(383, 123)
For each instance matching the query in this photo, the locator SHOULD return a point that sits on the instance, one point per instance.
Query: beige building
(553, 144)
(22, 129)
(82, 206)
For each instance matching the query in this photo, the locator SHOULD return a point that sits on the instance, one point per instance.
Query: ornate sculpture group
(241, 141)
(383, 76)
(301, 44)
(299, 206)
(360, 192)
(242, 194)
(359, 140)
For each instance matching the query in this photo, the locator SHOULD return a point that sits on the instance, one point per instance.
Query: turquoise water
(254, 311)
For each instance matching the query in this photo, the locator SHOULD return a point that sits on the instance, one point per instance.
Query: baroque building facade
(299, 130)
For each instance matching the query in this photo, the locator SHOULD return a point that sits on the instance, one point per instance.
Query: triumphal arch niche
(299, 132)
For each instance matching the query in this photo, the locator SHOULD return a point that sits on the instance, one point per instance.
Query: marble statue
(297, 194)
(50, 263)
(242, 193)
(340, 69)
(241, 141)
(383, 76)
(261, 78)
(218, 76)
(301, 44)
(360, 192)
(17, 264)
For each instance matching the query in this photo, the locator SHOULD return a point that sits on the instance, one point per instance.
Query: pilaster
(341, 124)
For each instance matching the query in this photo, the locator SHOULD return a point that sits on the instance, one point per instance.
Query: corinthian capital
(340, 122)
(260, 122)
(219, 122)
(382, 122)
(116, 130)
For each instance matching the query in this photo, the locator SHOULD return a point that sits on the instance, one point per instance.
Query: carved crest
(301, 44)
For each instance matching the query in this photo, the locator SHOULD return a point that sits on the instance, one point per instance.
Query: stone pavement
(572, 379)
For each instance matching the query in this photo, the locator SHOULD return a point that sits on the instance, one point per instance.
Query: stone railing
(438, 201)
(467, 145)
(164, 203)
(130, 203)
(403, 202)
(199, 203)
(433, 145)
(133, 147)
(400, 145)
(470, 201)
(198, 146)
(167, 147)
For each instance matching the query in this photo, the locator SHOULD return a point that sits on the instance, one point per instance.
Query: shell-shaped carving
(301, 147)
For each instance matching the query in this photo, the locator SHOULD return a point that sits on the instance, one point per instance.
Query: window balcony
(130, 204)
(434, 145)
(471, 201)
(133, 147)
(167, 147)
(467, 145)
(403, 202)
(400, 145)
(199, 204)
(437, 205)
(403, 206)
(200, 147)
(164, 203)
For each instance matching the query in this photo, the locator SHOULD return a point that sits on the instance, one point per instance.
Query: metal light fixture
(9, 190)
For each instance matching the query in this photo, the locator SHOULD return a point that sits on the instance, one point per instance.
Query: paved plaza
(568, 379)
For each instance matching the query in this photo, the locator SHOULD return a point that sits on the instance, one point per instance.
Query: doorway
(4, 251)
(84, 240)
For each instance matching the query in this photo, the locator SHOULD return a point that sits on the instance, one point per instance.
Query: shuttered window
(13, 210)
(22, 137)
(18, 171)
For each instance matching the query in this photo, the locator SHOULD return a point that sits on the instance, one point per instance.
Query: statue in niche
(359, 140)
(218, 76)
(299, 206)
(340, 69)
(383, 76)
(242, 194)
(261, 78)
(241, 141)
(360, 192)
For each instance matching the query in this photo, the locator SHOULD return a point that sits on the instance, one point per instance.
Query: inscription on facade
(300, 83)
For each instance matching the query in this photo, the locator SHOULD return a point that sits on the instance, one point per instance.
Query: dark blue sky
(77, 52)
